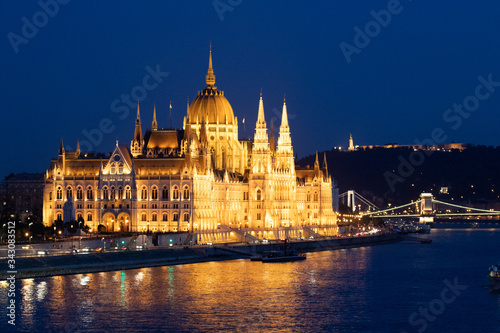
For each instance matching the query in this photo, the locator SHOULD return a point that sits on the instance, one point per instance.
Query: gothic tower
(138, 142)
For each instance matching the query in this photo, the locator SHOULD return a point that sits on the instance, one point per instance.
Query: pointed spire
(78, 147)
(316, 162)
(61, 148)
(138, 129)
(138, 119)
(284, 115)
(210, 78)
(154, 125)
(260, 117)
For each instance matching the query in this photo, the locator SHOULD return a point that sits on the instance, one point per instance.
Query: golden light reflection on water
(238, 295)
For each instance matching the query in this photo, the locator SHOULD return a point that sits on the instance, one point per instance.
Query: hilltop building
(351, 143)
(200, 179)
(440, 147)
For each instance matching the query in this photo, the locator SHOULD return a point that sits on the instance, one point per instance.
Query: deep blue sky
(65, 78)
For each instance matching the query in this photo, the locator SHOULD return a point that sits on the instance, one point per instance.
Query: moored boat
(495, 277)
(286, 257)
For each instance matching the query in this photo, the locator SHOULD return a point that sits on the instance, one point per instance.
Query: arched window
(315, 196)
(79, 193)
(128, 194)
(120, 193)
(89, 217)
(186, 217)
(144, 193)
(69, 192)
(259, 195)
(154, 193)
(154, 217)
(105, 194)
(176, 217)
(113, 193)
(175, 193)
(59, 216)
(143, 217)
(90, 195)
(186, 193)
(50, 195)
(308, 196)
(165, 193)
(165, 217)
(79, 216)
(59, 193)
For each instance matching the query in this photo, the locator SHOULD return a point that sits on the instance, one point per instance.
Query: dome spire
(210, 78)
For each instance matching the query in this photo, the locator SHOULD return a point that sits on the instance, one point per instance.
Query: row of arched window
(59, 216)
(69, 193)
(112, 193)
(154, 217)
(309, 196)
(165, 193)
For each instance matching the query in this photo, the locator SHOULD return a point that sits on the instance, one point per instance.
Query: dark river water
(402, 287)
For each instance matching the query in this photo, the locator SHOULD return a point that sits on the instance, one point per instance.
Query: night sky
(393, 82)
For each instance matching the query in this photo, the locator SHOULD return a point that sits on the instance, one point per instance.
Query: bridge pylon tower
(426, 208)
(351, 199)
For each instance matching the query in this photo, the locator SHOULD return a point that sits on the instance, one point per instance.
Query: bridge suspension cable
(464, 207)
(360, 198)
(365, 201)
(394, 208)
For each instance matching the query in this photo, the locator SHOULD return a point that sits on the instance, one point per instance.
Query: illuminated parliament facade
(201, 179)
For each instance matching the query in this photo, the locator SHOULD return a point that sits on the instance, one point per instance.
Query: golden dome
(210, 105)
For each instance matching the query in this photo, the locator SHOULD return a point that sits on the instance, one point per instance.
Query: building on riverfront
(201, 179)
(21, 197)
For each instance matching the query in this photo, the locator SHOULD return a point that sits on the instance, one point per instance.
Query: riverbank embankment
(91, 262)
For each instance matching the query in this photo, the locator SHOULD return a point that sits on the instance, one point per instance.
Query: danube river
(401, 287)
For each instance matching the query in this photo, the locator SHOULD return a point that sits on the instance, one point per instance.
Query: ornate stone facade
(200, 179)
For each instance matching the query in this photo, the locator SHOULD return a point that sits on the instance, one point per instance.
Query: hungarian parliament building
(201, 179)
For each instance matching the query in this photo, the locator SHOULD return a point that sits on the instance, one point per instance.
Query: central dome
(210, 105)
